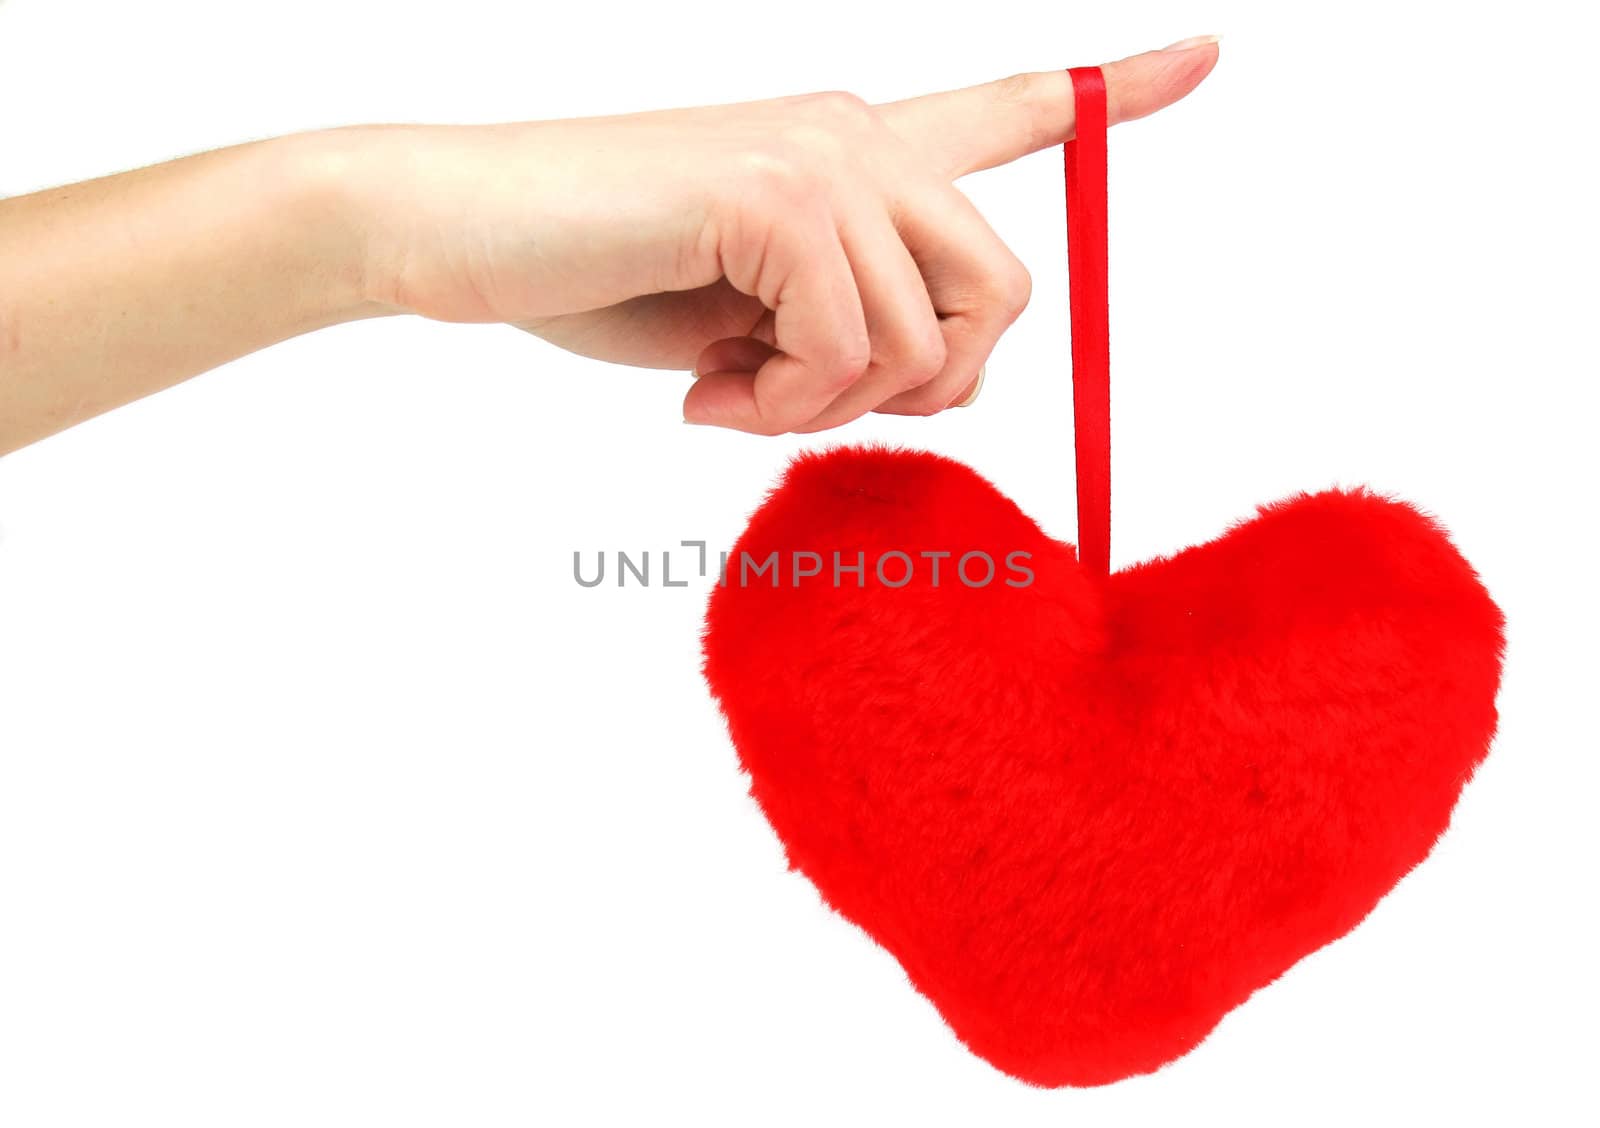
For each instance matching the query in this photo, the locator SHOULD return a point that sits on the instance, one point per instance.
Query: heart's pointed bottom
(1090, 817)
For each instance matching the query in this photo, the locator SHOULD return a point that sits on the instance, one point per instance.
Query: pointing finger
(991, 124)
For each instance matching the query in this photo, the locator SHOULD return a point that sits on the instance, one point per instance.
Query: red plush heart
(1091, 815)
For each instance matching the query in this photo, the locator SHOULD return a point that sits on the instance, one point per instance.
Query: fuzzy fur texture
(1090, 817)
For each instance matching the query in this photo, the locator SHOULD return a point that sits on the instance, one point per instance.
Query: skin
(809, 258)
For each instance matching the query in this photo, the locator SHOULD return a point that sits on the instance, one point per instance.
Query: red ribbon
(1085, 160)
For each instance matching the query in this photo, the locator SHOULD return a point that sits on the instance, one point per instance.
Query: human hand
(808, 256)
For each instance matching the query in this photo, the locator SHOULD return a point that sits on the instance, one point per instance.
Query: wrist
(323, 176)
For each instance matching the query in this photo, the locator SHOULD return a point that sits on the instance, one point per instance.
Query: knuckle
(848, 366)
(840, 105)
(1015, 286)
(1017, 89)
(1024, 92)
(777, 170)
(828, 127)
(924, 361)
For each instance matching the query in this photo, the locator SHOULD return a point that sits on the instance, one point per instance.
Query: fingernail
(1192, 42)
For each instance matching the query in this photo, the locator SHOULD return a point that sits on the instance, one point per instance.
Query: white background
(327, 797)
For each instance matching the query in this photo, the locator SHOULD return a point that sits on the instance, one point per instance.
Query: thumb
(979, 127)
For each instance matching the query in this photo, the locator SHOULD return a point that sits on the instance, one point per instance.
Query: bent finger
(976, 283)
(908, 347)
(820, 328)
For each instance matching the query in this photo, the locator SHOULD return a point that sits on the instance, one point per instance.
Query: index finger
(994, 123)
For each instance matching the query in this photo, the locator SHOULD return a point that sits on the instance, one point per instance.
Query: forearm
(115, 288)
